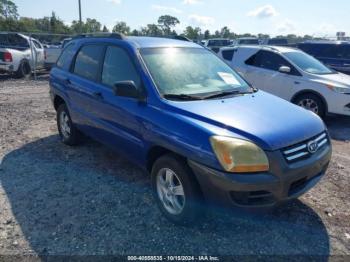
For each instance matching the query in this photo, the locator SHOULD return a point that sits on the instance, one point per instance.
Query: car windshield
(219, 42)
(308, 64)
(191, 71)
(249, 41)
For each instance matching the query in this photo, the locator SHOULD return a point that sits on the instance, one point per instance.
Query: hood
(338, 79)
(269, 121)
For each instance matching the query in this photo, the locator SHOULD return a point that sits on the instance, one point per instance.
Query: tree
(92, 25)
(166, 22)
(135, 32)
(105, 29)
(192, 33)
(225, 32)
(206, 34)
(121, 27)
(151, 30)
(8, 9)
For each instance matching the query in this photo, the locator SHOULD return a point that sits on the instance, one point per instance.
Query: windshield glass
(191, 71)
(307, 63)
(219, 42)
(249, 42)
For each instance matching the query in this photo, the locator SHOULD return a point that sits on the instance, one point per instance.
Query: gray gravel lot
(87, 200)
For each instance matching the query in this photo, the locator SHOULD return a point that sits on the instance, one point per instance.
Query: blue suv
(201, 131)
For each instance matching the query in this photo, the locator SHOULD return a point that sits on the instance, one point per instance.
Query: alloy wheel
(170, 191)
(65, 125)
(309, 104)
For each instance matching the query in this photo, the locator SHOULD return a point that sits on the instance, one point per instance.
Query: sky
(274, 17)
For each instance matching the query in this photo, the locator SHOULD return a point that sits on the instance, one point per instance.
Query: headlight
(338, 89)
(239, 156)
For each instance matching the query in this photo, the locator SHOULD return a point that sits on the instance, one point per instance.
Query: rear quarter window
(66, 57)
(228, 54)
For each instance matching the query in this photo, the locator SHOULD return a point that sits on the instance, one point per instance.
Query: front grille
(305, 149)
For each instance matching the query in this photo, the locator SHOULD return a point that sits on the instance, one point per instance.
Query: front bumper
(339, 104)
(283, 182)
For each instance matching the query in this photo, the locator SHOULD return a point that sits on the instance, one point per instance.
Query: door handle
(97, 95)
(67, 81)
(297, 82)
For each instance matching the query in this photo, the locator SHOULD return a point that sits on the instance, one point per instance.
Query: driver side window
(270, 61)
(118, 67)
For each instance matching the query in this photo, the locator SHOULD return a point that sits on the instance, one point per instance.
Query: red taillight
(7, 57)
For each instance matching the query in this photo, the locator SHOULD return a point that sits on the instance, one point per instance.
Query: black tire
(73, 137)
(317, 105)
(24, 70)
(193, 204)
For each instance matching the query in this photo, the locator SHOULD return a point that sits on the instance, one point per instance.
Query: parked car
(292, 75)
(275, 41)
(216, 43)
(178, 111)
(16, 55)
(53, 52)
(334, 54)
(246, 41)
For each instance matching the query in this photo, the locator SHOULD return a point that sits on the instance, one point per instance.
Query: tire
(313, 103)
(24, 70)
(169, 173)
(69, 134)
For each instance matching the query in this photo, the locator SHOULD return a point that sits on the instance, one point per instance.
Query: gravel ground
(87, 200)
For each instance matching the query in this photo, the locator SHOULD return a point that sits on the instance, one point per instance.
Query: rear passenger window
(228, 54)
(118, 67)
(88, 60)
(65, 57)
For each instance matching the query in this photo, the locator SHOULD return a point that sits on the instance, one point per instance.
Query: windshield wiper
(182, 97)
(223, 94)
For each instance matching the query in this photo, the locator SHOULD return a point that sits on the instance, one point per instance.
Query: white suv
(292, 75)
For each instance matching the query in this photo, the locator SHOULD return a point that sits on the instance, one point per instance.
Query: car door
(83, 89)
(266, 74)
(39, 54)
(120, 116)
(253, 72)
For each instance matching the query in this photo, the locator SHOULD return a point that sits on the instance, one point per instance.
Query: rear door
(83, 89)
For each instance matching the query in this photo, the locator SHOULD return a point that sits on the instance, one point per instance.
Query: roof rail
(118, 36)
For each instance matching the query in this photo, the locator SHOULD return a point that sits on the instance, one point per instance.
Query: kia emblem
(312, 147)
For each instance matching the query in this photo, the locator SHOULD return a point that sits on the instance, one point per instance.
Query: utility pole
(80, 20)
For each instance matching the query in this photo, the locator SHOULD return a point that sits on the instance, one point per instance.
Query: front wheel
(175, 189)
(69, 134)
(312, 103)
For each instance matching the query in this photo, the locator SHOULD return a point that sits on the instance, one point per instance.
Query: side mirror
(284, 69)
(127, 89)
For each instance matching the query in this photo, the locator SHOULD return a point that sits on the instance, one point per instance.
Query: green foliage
(121, 27)
(8, 9)
(10, 21)
(166, 22)
(192, 33)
